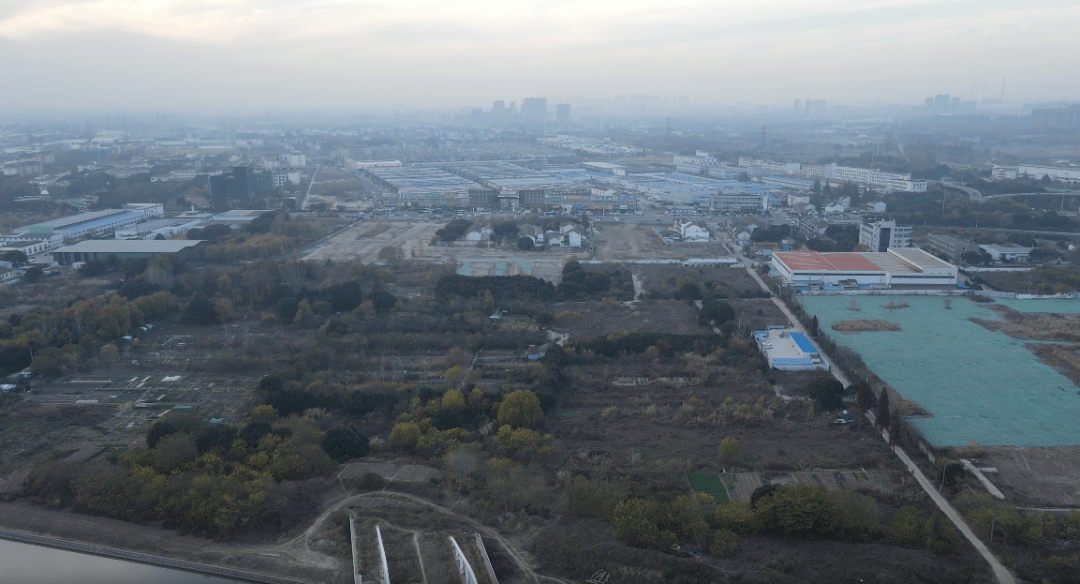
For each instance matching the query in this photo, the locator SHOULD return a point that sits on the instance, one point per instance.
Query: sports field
(979, 385)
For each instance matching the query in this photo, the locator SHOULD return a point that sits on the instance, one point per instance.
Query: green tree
(525, 243)
(199, 311)
(864, 397)
(391, 255)
(16, 257)
(715, 312)
(345, 441)
(735, 515)
(405, 435)
(728, 450)
(724, 542)
(882, 414)
(798, 511)
(940, 535)
(453, 398)
(905, 526)
(858, 514)
(520, 409)
(34, 274)
(827, 392)
(634, 521)
(383, 301)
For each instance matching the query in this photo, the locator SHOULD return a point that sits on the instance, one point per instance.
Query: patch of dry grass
(864, 325)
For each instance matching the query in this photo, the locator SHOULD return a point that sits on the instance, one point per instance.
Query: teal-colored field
(979, 385)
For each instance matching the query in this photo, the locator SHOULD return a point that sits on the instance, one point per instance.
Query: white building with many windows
(882, 235)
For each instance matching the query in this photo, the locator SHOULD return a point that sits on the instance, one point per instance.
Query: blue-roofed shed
(803, 343)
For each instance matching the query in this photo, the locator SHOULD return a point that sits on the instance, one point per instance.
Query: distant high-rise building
(941, 101)
(562, 114)
(816, 107)
(243, 182)
(798, 105)
(954, 103)
(499, 107)
(534, 111)
(929, 102)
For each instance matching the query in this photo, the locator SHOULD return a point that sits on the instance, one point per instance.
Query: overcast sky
(300, 54)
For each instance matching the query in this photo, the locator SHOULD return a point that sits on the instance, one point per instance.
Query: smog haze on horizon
(337, 55)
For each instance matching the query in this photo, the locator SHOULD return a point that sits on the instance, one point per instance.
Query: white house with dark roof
(573, 237)
(691, 230)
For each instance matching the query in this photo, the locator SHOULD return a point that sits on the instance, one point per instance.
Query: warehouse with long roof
(99, 249)
(898, 266)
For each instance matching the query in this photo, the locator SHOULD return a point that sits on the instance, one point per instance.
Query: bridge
(978, 197)
(1051, 194)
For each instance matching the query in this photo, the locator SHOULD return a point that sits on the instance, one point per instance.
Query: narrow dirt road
(299, 545)
(311, 183)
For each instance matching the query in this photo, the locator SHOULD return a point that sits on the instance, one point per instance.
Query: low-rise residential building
(810, 227)
(573, 237)
(692, 230)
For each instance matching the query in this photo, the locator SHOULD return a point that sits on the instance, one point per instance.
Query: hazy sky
(298, 54)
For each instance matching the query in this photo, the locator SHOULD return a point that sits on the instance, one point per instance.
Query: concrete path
(1000, 572)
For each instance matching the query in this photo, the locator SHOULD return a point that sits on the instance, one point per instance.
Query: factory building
(94, 222)
(899, 266)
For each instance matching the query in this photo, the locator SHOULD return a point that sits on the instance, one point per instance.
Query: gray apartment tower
(562, 114)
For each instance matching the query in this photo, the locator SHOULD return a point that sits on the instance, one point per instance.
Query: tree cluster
(212, 479)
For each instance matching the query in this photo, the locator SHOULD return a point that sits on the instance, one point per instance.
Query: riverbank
(285, 562)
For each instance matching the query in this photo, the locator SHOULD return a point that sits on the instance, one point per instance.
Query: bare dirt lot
(365, 240)
(333, 188)
(1055, 468)
(665, 281)
(589, 319)
(630, 241)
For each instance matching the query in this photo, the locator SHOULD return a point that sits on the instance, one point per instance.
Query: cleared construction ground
(618, 241)
(364, 241)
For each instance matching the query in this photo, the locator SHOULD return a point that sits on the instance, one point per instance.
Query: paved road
(1000, 572)
(311, 183)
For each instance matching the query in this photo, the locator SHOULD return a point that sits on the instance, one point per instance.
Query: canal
(32, 564)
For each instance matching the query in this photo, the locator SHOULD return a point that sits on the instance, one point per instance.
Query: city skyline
(100, 54)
